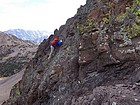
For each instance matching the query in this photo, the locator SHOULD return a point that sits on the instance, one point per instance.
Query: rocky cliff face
(98, 63)
(14, 54)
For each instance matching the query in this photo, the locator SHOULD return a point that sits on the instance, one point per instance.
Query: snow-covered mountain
(35, 36)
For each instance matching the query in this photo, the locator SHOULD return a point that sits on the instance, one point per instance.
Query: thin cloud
(37, 14)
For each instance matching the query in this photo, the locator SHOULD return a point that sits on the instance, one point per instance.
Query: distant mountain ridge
(14, 54)
(34, 36)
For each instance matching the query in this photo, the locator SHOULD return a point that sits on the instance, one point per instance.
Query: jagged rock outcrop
(14, 54)
(98, 63)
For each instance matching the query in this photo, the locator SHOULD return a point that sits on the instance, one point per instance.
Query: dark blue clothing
(58, 43)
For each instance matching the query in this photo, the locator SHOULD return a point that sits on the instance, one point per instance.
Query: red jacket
(54, 41)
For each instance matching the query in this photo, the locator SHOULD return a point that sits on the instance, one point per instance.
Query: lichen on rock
(98, 64)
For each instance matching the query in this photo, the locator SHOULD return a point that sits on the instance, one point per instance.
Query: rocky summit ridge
(98, 63)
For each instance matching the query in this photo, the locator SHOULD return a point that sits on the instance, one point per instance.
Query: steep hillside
(14, 54)
(98, 63)
(34, 36)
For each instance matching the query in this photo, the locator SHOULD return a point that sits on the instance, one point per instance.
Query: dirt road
(6, 85)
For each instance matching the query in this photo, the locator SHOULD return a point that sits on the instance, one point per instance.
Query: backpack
(54, 41)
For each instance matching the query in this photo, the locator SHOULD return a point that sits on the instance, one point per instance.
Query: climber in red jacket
(54, 44)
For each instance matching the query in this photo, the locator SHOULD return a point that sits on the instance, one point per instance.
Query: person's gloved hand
(60, 40)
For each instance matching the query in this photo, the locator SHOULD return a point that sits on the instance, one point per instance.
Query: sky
(36, 14)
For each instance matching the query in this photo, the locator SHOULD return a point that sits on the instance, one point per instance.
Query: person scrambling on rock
(54, 44)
